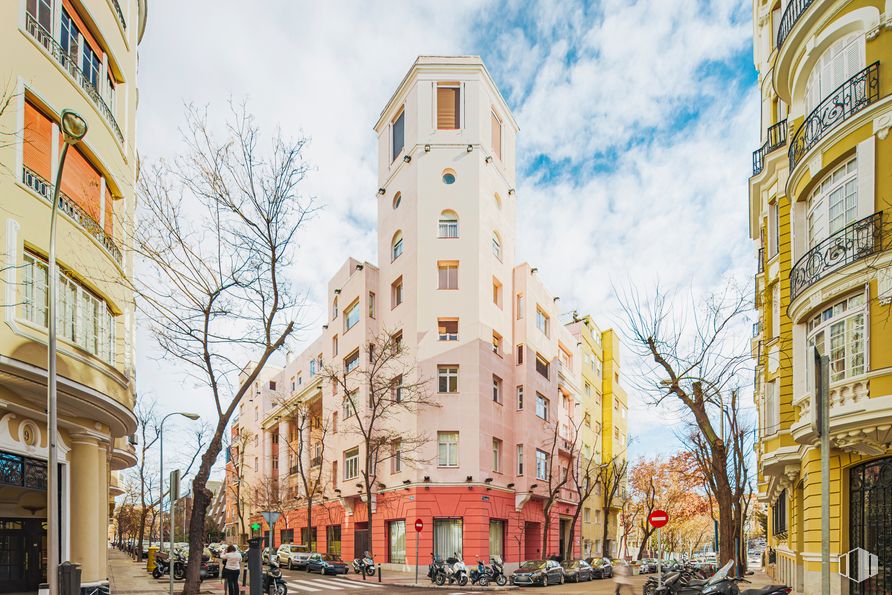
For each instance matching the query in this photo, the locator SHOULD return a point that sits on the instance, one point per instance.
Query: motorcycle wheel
(483, 581)
(281, 589)
(502, 580)
(440, 579)
(179, 573)
(370, 571)
(649, 587)
(462, 580)
(156, 573)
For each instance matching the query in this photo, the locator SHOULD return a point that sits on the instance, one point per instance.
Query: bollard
(255, 566)
(379, 573)
(69, 579)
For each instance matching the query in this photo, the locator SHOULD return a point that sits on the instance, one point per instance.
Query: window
(448, 226)
(498, 200)
(519, 306)
(448, 177)
(333, 536)
(519, 351)
(334, 309)
(496, 538)
(586, 515)
(448, 538)
(371, 304)
(541, 406)
(447, 377)
(397, 199)
(496, 292)
(840, 332)
(448, 106)
(447, 449)
(497, 343)
(398, 135)
(496, 389)
(775, 309)
(496, 455)
(773, 229)
(397, 391)
(91, 65)
(541, 464)
(351, 463)
(351, 316)
(542, 365)
(396, 246)
(351, 361)
(447, 273)
(42, 12)
(396, 541)
(70, 35)
(775, 24)
(834, 203)
(520, 459)
(396, 292)
(348, 405)
(334, 345)
(772, 408)
(779, 514)
(496, 135)
(334, 422)
(447, 329)
(542, 322)
(82, 318)
(497, 245)
(396, 457)
(272, 385)
(519, 395)
(836, 65)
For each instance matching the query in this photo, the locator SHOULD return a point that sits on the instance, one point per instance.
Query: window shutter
(865, 153)
(448, 110)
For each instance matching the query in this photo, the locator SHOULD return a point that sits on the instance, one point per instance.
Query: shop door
(22, 554)
(360, 539)
(870, 522)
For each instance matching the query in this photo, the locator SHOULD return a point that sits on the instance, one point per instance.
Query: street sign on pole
(658, 518)
(270, 517)
(419, 525)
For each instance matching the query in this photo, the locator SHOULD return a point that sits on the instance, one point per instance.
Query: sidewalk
(127, 577)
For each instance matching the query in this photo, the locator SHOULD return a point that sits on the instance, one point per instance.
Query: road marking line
(303, 587)
(326, 585)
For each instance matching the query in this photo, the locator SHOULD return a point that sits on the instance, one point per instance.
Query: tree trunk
(643, 547)
(546, 527)
(310, 524)
(606, 531)
(573, 530)
(200, 503)
(368, 504)
(726, 525)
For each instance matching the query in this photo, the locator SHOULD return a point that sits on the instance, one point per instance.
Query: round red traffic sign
(658, 518)
(419, 525)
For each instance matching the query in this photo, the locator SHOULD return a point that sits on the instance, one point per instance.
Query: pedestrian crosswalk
(324, 585)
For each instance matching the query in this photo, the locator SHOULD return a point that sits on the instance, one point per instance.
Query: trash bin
(69, 579)
(150, 561)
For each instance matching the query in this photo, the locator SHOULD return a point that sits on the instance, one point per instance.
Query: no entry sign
(419, 525)
(658, 518)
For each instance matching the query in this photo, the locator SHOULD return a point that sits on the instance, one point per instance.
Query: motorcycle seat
(765, 590)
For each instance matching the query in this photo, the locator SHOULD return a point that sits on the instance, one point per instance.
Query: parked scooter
(497, 571)
(437, 570)
(364, 565)
(273, 582)
(456, 571)
(162, 566)
(480, 574)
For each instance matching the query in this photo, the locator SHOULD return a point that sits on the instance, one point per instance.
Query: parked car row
(551, 572)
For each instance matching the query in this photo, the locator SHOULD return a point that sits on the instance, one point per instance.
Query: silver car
(293, 556)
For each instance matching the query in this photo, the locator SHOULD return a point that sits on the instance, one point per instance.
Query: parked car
(538, 572)
(601, 567)
(576, 571)
(326, 564)
(293, 556)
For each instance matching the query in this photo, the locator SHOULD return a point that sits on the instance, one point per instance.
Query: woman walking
(232, 566)
(621, 578)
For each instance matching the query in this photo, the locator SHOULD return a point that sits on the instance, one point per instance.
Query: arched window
(833, 203)
(498, 200)
(839, 62)
(448, 227)
(497, 245)
(397, 199)
(396, 246)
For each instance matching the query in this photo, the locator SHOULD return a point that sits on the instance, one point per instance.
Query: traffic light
(255, 526)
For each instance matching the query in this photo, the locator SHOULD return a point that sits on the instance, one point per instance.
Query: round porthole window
(449, 178)
(397, 199)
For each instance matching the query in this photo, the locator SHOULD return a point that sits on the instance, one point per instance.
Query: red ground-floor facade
(473, 522)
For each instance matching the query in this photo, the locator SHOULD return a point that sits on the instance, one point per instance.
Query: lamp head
(192, 416)
(74, 127)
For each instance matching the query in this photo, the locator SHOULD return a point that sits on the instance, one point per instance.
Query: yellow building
(605, 403)
(820, 206)
(78, 55)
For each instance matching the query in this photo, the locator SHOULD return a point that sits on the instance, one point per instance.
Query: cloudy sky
(638, 121)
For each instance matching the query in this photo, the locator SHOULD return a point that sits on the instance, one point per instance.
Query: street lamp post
(74, 127)
(193, 417)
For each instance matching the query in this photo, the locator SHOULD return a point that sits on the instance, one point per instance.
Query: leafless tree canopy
(214, 238)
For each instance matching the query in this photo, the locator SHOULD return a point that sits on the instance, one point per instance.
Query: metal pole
(170, 581)
(659, 559)
(417, 539)
(825, 475)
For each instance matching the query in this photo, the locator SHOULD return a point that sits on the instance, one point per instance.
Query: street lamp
(193, 417)
(74, 128)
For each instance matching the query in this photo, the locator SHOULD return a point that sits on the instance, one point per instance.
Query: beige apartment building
(79, 55)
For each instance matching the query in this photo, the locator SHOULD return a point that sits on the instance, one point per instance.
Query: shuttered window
(448, 107)
(496, 135)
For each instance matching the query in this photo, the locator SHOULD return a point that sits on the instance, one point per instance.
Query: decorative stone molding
(881, 125)
(520, 500)
(852, 392)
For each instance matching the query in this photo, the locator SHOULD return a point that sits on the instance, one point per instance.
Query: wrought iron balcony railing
(761, 257)
(76, 213)
(848, 99)
(850, 244)
(120, 14)
(776, 137)
(794, 10)
(69, 63)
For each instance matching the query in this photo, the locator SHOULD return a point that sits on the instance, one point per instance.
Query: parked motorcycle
(162, 566)
(364, 565)
(437, 570)
(273, 582)
(480, 574)
(497, 571)
(456, 571)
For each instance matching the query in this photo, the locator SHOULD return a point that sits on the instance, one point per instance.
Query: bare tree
(611, 477)
(235, 485)
(215, 236)
(149, 431)
(394, 388)
(270, 495)
(558, 477)
(698, 354)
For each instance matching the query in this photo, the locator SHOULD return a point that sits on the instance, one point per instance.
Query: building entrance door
(566, 547)
(360, 539)
(22, 554)
(870, 522)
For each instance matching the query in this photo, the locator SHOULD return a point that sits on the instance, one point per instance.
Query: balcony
(776, 137)
(794, 10)
(850, 244)
(316, 461)
(850, 98)
(69, 63)
(74, 212)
